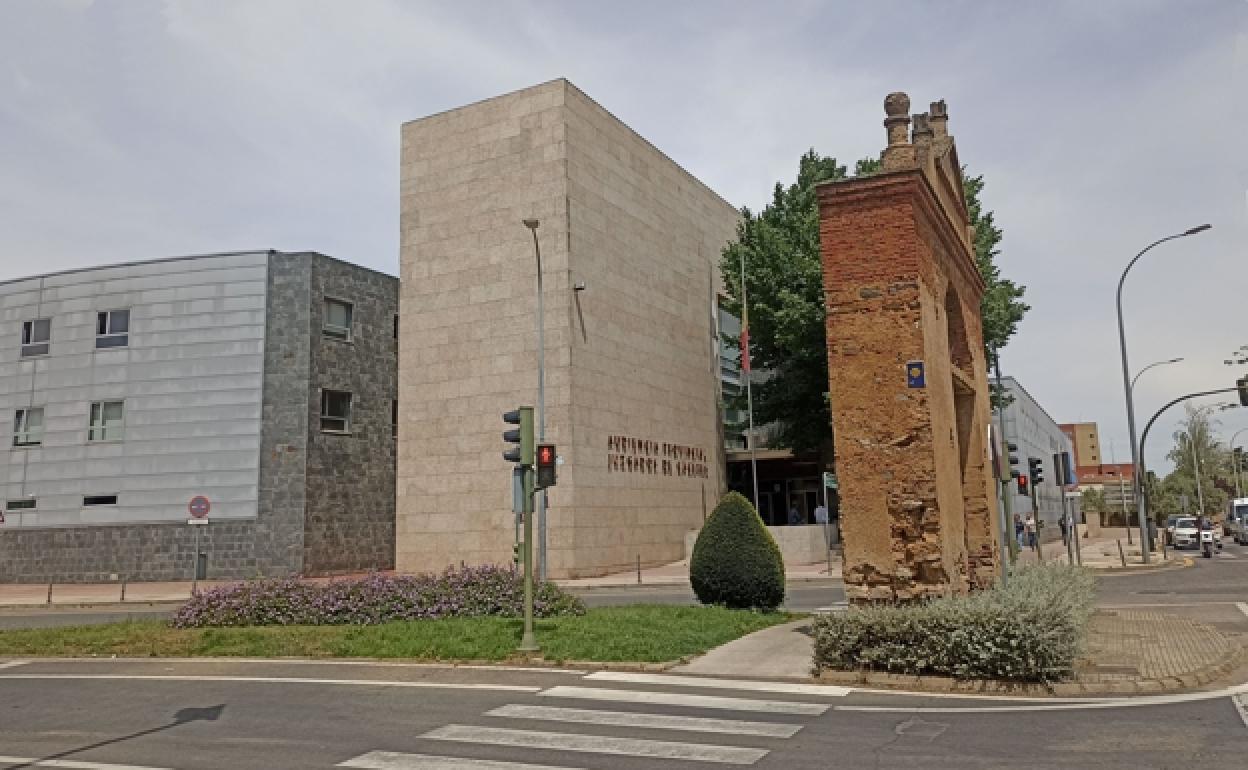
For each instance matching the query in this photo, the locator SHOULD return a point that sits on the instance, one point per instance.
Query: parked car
(1170, 520)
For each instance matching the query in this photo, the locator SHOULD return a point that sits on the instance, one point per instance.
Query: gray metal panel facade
(191, 377)
(1037, 435)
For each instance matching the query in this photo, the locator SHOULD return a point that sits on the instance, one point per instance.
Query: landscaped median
(463, 614)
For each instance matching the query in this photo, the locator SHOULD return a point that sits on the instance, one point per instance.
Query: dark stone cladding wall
(130, 551)
(284, 437)
(349, 518)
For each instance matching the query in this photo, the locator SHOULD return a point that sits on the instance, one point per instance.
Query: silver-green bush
(1031, 630)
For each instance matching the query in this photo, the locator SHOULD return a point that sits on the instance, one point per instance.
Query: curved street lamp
(1235, 461)
(1126, 382)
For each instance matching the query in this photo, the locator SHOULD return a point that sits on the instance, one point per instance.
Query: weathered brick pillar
(907, 375)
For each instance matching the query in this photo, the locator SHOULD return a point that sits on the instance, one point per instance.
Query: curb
(1200, 677)
(1177, 564)
(683, 584)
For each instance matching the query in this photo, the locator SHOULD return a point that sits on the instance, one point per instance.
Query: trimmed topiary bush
(459, 592)
(1031, 630)
(735, 561)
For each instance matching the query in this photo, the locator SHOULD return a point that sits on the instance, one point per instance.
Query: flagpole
(745, 371)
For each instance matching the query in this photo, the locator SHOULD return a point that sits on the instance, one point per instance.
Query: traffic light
(1061, 467)
(522, 437)
(1010, 449)
(546, 457)
(516, 555)
(1036, 467)
(1022, 486)
(1242, 385)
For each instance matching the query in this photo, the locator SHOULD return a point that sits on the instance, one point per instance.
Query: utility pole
(1005, 474)
(532, 224)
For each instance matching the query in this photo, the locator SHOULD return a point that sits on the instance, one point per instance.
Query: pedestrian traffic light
(1242, 385)
(522, 437)
(546, 457)
(1036, 467)
(1022, 485)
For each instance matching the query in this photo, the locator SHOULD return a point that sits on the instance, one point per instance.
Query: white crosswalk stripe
(671, 680)
(647, 721)
(596, 744)
(68, 764)
(682, 699)
(394, 760)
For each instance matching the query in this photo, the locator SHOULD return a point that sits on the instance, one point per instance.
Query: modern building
(1036, 434)
(262, 381)
(630, 246)
(1086, 440)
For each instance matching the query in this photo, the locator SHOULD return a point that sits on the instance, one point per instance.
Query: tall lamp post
(1235, 462)
(1125, 511)
(541, 400)
(1126, 383)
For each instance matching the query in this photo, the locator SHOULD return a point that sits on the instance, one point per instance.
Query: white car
(1186, 533)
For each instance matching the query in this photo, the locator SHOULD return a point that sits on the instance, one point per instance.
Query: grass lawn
(645, 633)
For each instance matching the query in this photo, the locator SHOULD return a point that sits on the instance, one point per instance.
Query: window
(28, 427)
(35, 336)
(107, 421)
(99, 500)
(394, 418)
(112, 329)
(396, 327)
(337, 319)
(335, 411)
(27, 504)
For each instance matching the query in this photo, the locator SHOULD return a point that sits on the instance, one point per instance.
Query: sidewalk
(1128, 651)
(677, 573)
(1101, 552)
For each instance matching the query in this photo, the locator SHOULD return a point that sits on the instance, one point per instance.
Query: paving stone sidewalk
(1129, 651)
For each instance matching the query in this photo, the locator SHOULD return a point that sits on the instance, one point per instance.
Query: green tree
(735, 561)
(1198, 453)
(787, 315)
(1092, 500)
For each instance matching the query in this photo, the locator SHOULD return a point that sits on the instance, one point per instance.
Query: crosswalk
(569, 724)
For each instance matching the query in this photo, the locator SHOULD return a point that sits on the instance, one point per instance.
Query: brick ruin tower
(907, 373)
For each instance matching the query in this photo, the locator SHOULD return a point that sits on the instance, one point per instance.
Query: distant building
(1086, 441)
(1029, 426)
(263, 381)
(1114, 480)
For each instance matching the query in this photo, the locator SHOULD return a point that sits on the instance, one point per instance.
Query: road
(197, 715)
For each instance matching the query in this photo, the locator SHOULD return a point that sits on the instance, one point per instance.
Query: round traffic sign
(199, 507)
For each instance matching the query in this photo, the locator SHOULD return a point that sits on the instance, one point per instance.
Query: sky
(136, 129)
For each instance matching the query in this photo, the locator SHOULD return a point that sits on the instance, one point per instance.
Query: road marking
(280, 680)
(14, 663)
(1241, 705)
(69, 764)
(597, 744)
(831, 691)
(324, 662)
(652, 721)
(1108, 703)
(1243, 607)
(679, 699)
(393, 760)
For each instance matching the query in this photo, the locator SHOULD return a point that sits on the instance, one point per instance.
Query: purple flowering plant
(461, 591)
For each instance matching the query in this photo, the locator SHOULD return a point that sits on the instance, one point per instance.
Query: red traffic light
(546, 454)
(546, 461)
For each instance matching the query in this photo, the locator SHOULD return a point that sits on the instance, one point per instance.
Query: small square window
(28, 427)
(99, 500)
(107, 421)
(112, 328)
(335, 411)
(337, 319)
(35, 337)
(25, 504)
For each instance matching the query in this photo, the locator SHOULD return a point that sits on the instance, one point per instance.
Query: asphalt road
(188, 715)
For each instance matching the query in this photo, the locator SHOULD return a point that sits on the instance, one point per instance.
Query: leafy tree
(787, 315)
(1092, 500)
(1198, 453)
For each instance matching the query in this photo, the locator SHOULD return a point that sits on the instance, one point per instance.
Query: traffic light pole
(528, 642)
(1008, 538)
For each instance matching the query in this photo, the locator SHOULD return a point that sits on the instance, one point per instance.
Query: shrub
(377, 598)
(735, 561)
(1033, 629)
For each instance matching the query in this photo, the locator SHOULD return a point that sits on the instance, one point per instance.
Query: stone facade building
(632, 360)
(907, 375)
(263, 381)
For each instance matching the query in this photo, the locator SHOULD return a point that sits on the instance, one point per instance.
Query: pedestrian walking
(795, 516)
(1063, 524)
(1029, 527)
(1018, 530)
(821, 518)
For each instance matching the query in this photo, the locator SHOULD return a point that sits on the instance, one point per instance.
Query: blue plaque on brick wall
(914, 375)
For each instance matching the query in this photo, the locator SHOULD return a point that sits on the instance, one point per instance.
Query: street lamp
(1126, 514)
(1235, 462)
(1126, 382)
(532, 224)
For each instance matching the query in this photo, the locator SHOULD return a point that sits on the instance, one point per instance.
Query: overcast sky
(133, 129)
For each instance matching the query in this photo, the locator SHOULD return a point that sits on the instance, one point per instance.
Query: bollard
(1121, 555)
(638, 569)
